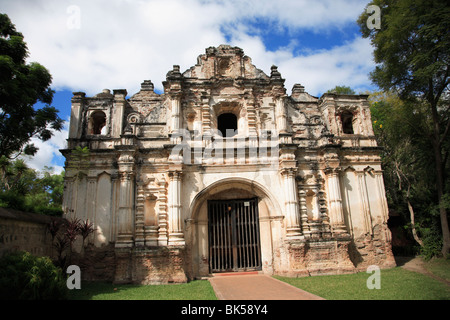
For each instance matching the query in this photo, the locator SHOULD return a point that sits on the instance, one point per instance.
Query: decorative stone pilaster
(281, 114)
(251, 114)
(381, 194)
(139, 219)
(206, 119)
(176, 110)
(114, 205)
(293, 230)
(125, 218)
(162, 214)
(91, 202)
(304, 214)
(118, 110)
(75, 128)
(335, 200)
(174, 91)
(176, 235)
(364, 201)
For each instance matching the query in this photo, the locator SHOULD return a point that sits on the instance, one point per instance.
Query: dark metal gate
(234, 240)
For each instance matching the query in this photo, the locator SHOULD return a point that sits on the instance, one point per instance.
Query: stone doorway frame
(271, 223)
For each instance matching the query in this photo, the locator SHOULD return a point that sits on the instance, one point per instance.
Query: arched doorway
(215, 210)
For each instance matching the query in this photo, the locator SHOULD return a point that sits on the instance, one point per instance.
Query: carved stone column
(175, 108)
(382, 194)
(139, 218)
(91, 203)
(335, 201)
(162, 213)
(176, 235)
(364, 201)
(293, 230)
(304, 213)
(125, 218)
(280, 111)
(251, 114)
(76, 114)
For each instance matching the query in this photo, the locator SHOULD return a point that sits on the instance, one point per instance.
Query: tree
(22, 85)
(341, 90)
(401, 128)
(413, 60)
(25, 189)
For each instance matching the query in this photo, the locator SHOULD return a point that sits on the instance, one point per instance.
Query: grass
(439, 267)
(195, 290)
(396, 284)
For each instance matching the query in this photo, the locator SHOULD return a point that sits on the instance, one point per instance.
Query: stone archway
(270, 221)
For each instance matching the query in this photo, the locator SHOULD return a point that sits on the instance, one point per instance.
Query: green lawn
(439, 267)
(195, 290)
(396, 284)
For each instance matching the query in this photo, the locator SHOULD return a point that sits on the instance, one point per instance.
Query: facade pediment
(224, 62)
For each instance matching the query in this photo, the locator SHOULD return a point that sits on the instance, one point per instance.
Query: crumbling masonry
(225, 172)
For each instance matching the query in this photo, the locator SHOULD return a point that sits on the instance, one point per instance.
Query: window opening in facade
(97, 123)
(227, 125)
(347, 123)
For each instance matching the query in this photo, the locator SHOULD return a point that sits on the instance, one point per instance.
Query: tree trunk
(436, 141)
(442, 209)
(413, 225)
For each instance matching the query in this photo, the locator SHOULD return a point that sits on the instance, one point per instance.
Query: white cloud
(120, 43)
(319, 71)
(91, 45)
(48, 151)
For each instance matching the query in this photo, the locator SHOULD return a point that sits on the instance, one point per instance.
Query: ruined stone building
(225, 171)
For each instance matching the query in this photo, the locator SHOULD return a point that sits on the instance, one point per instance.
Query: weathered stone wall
(322, 204)
(24, 231)
(157, 265)
(96, 264)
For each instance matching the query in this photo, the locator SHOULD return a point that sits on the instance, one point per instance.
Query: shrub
(432, 242)
(27, 277)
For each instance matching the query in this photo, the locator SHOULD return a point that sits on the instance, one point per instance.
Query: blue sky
(116, 44)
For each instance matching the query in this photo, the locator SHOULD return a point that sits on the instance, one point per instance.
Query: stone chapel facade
(225, 172)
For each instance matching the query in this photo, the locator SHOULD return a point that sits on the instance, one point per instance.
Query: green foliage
(402, 129)
(432, 242)
(22, 85)
(413, 60)
(411, 47)
(26, 277)
(341, 90)
(64, 235)
(25, 189)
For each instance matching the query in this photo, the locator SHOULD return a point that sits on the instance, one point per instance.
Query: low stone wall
(158, 265)
(24, 231)
(319, 257)
(96, 264)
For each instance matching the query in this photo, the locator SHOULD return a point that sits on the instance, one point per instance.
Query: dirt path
(417, 264)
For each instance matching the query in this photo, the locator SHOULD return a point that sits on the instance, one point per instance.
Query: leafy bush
(27, 277)
(432, 243)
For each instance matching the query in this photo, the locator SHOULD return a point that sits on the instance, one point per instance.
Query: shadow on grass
(195, 290)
